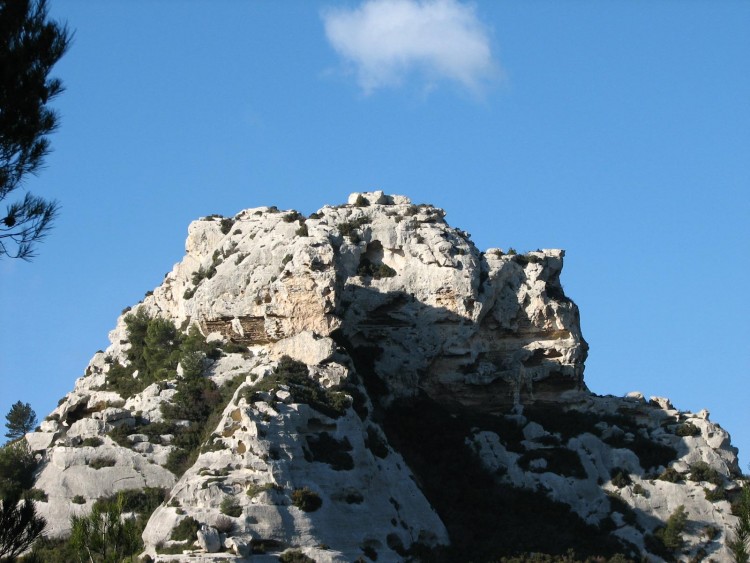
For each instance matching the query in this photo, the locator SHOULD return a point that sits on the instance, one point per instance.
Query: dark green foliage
(47, 550)
(19, 526)
(304, 389)
(17, 465)
(141, 501)
(78, 499)
(361, 201)
(739, 543)
(671, 534)
(156, 349)
(186, 529)
(671, 475)
(234, 348)
(203, 274)
(485, 519)
(349, 228)
(306, 500)
(701, 471)
(21, 419)
(719, 493)
(687, 429)
(368, 269)
(295, 556)
(104, 535)
(161, 351)
(293, 216)
(231, 507)
(199, 401)
(226, 225)
(91, 442)
(621, 478)
(35, 494)
(100, 462)
(30, 45)
(302, 231)
(327, 449)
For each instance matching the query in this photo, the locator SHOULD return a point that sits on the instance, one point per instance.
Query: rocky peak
(296, 382)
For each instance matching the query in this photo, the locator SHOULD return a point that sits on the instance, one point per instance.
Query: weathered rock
(208, 539)
(383, 301)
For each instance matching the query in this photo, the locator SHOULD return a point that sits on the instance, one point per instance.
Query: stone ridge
(384, 302)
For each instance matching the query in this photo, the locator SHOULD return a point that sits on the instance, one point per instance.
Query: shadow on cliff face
(405, 347)
(430, 418)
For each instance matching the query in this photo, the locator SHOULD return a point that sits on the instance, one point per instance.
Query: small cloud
(387, 40)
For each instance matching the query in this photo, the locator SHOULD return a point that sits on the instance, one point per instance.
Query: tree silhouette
(30, 45)
(21, 419)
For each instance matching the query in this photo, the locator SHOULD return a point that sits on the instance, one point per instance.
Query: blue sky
(619, 131)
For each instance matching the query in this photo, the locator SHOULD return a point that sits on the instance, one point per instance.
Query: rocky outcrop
(386, 307)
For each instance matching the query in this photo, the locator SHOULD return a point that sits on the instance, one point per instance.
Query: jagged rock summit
(365, 383)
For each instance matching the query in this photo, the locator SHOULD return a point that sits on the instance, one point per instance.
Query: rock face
(395, 318)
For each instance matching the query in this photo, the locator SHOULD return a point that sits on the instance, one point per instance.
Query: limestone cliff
(369, 372)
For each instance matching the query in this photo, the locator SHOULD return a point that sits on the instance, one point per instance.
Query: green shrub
(739, 543)
(327, 449)
(141, 501)
(361, 201)
(671, 475)
(719, 493)
(254, 489)
(226, 225)
(639, 490)
(186, 529)
(231, 507)
(36, 494)
(78, 499)
(293, 216)
(621, 478)
(92, 442)
(671, 534)
(234, 348)
(687, 429)
(17, 465)
(306, 500)
(101, 462)
(701, 471)
(295, 375)
(368, 269)
(349, 228)
(302, 231)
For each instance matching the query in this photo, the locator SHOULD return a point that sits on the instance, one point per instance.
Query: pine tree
(30, 45)
(21, 419)
(739, 545)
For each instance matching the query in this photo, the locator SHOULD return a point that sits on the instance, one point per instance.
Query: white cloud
(387, 40)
